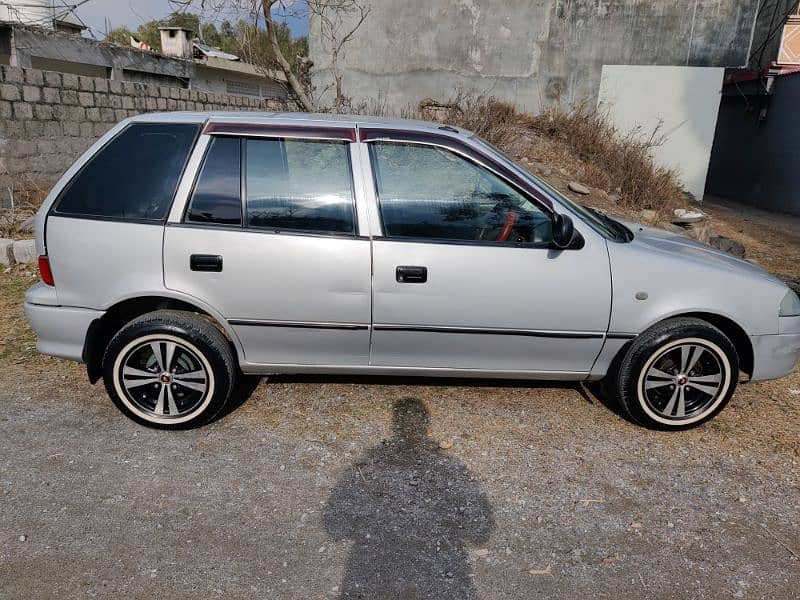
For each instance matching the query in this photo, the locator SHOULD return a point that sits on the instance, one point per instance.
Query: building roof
(212, 52)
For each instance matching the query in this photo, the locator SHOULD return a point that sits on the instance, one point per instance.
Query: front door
(269, 239)
(466, 277)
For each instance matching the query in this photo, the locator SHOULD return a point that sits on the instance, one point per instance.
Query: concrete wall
(756, 161)
(681, 103)
(530, 52)
(48, 119)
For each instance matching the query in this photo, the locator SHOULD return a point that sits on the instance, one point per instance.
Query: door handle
(205, 262)
(411, 274)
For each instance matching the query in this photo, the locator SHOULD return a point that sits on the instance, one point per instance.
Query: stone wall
(48, 119)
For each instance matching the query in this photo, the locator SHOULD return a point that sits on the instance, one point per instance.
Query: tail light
(44, 270)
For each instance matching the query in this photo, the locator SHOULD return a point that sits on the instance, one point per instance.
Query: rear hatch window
(134, 176)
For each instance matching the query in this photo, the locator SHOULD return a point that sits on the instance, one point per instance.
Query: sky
(131, 13)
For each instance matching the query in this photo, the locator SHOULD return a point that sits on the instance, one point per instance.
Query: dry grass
(20, 201)
(564, 144)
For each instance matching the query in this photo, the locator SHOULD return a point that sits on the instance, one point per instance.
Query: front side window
(134, 176)
(301, 185)
(432, 193)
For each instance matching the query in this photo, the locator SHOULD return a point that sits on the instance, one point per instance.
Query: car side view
(184, 249)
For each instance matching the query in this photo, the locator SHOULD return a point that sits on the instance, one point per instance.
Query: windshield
(605, 226)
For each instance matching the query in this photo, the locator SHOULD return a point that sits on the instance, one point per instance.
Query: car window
(433, 193)
(134, 176)
(303, 185)
(217, 196)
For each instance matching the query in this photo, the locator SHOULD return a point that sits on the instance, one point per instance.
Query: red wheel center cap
(682, 380)
(165, 378)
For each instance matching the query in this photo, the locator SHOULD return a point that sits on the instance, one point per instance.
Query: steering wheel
(508, 226)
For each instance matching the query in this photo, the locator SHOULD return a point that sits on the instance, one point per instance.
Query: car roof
(297, 118)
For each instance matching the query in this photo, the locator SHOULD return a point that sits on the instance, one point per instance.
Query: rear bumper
(774, 355)
(60, 330)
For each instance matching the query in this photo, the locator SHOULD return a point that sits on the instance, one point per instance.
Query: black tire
(652, 390)
(194, 386)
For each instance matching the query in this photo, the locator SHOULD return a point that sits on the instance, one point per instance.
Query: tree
(339, 20)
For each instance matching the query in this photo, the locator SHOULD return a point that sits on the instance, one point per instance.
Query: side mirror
(563, 231)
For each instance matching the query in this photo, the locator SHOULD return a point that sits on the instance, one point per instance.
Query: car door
(466, 275)
(270, 239)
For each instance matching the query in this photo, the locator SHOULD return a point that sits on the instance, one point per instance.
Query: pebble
(481, 552)
(578, 188)
(445, 444)
(23, 538)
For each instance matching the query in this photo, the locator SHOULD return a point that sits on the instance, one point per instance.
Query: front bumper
(60, 330)
(776, 355)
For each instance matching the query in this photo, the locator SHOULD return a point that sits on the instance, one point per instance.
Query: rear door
(270, 238)
(466, 276)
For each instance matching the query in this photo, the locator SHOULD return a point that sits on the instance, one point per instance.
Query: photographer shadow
(410, 511)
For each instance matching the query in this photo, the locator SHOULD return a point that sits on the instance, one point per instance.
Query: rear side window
(302, 185)
(217, 196)
(134, 176)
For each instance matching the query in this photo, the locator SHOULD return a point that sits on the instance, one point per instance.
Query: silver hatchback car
(183, 249)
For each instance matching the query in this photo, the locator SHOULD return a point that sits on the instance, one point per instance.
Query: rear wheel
(169, 370)
(678, 374)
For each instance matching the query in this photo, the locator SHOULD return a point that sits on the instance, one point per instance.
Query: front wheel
(678, 374)
(169, 370)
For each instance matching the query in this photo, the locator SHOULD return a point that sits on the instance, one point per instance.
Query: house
(183, 62)
(757, 143)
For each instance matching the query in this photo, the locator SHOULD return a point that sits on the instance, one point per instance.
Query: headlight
(790, 307)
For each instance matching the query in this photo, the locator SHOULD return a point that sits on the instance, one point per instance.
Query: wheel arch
(735, 333)
(122, 312)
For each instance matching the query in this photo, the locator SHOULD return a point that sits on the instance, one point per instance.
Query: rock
(27, 225)
(24, 251)
(648, 216)
(6, 256)
(673, 228)
(727, 245)
(683, 216)
(578, 188)
(445, 444)
(481, 552)
(23, 538)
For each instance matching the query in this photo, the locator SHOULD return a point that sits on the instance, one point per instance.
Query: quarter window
(217, 196)
(134, 176)
(302, 185)
(432, 193)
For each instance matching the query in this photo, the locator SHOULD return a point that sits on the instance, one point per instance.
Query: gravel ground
(323, 488)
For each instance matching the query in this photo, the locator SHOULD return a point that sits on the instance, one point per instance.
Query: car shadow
(410, 512)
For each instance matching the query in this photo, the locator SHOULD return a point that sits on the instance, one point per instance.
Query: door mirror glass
(564, 235)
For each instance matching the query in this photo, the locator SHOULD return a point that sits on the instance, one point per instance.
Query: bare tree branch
(294, 83)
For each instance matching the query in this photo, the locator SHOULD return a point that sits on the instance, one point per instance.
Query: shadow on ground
(410, 512)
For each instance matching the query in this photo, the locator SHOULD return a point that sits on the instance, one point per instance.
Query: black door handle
(205, 262)
(412, 274)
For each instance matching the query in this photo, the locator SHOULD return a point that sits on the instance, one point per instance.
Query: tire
(676, 375)
(186, 385)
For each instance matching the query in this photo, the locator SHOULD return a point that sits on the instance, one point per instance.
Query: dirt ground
(396, 488)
